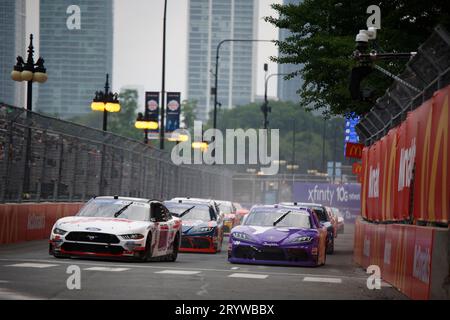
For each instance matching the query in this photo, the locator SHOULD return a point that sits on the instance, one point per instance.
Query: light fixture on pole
(29, 71)
(105, 101)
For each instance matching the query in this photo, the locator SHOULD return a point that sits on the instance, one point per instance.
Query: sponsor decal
(36, 222)
(374, 178)
(421, 267)
(93, 229)
(407, 157)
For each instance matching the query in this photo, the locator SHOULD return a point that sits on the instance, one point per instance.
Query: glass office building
(12, 44)
(287, 89)
(77, 59)
(211, 21)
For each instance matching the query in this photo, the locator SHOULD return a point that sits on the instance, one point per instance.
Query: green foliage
(322, 40)
(188, 111)
(122, 123)
(308, 131)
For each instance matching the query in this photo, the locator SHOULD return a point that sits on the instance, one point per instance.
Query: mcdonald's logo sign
(357, 168)
(353, 150)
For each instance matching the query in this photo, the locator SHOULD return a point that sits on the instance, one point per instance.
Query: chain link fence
(428, 72)
(47, 159)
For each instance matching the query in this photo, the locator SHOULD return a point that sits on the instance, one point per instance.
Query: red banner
(353, 150)
(412, 156)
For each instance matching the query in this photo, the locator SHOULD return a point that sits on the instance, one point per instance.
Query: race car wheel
(176, 244)
(148, 248)
(330, 246)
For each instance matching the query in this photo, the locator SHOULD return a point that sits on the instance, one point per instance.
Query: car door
(159, 216)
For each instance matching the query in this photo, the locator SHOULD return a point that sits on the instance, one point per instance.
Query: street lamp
(265, 107)
(161, 129)
(29, 71)
(216, 75)
(143, 122)
(105, 101)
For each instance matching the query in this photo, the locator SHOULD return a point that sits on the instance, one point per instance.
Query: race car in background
(340, 220)
(324, 219)
(202, 225)
(230, 218)
(240, 212)
(281, 235)
(118, 227)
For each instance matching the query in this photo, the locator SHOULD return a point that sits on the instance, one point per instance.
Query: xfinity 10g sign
(346, 197)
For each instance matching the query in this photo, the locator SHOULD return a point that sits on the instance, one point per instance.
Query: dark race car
(279, 235)
(324, 219)
(202, 226)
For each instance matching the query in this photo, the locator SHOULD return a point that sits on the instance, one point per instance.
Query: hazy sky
(138, 43)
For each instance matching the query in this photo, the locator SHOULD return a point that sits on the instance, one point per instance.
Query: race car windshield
(198, 212)
(266, 218)
(321, 214)
(108, 208)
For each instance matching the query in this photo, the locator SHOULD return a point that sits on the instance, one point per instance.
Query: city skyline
(138, 45)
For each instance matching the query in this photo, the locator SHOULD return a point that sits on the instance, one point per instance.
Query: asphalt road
(28, 272)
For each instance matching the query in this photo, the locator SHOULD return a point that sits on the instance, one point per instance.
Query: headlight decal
(302, 239)
(133, 236)
(241, 236)
(59, 231)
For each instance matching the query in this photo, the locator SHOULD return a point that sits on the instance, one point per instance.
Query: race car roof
(127, 199)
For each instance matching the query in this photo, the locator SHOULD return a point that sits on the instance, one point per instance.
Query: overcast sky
(138, 43)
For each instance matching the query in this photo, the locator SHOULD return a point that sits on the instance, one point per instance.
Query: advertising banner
(353, 150)
(415, 156)
(345, 197)
(173, 110)
(152, 107)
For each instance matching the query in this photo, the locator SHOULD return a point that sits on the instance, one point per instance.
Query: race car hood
(103, 225)
(190, 225)
(273, 234)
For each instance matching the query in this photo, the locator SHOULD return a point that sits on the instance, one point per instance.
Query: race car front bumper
(59, 246)
(300, 255)
(198, 244)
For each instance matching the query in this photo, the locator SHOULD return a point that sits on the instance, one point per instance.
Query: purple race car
(281, 235)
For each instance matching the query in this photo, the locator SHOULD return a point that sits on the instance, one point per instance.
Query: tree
(188, 111)
(322, 40)
(308, 133)
(122, 123)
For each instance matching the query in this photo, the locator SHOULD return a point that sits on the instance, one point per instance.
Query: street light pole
(105, 113)
(163, 89)
(216, 75)
(265, 108)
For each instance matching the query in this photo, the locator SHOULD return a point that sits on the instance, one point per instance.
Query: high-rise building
(211, 21)
(12, 40)
(287, 89)
(76, 41)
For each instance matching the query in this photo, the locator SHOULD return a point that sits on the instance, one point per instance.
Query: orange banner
(31, 221)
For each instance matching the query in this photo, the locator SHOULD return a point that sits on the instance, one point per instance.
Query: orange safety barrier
(403, 253)
(31, 221)
(412, 155)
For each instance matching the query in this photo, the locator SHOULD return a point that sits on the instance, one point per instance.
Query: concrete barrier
(414, 259)
(32, 221)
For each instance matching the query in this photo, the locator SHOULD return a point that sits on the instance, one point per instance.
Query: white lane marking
(319, 279)
(186, 272)
(85, 263)
(248, 276)
(235, 268)
(4, 281)
(108, 269)
(6, 294)
(33, 265)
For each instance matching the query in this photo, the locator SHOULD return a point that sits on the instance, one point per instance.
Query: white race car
(118, 227)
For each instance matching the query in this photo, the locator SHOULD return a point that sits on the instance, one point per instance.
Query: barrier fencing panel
(47, 159)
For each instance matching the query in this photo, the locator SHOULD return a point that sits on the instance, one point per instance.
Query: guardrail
(48, 159)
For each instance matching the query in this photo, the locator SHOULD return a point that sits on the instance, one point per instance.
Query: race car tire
(330, 247)
(148, 248)
(176, 244)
